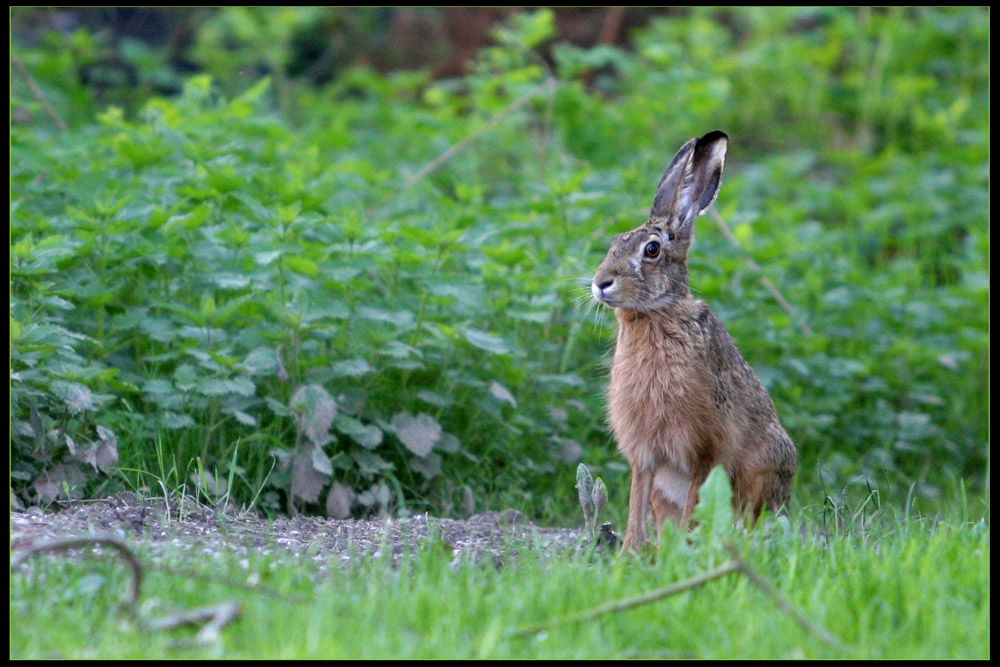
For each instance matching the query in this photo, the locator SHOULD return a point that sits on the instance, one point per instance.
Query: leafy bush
(291, 302)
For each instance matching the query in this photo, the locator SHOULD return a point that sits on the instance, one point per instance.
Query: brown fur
(681, 397)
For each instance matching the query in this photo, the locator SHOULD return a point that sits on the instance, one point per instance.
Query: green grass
(897, 588)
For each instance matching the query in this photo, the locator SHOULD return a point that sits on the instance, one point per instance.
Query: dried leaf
(106, 452)
(418, 433)
(51, 484)
(307, 482)
(314, 411)
(468, 500)
(339, 501)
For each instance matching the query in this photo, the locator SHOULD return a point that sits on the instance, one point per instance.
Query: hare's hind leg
(748, 494)
(638, 504)
(698, 476)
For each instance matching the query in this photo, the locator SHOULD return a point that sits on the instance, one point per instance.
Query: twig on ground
(436, 163)
(37, 93)
(768, 285)
(212, 618)
(70, 543)
(629, 603)
(735, 565)
(764, 585)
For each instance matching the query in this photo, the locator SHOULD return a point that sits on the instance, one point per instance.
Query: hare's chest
(653, 382)
(658, 394)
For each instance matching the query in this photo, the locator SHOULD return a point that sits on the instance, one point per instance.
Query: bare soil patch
(193, 527)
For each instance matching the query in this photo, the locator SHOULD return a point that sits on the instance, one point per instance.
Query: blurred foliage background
(335, 260)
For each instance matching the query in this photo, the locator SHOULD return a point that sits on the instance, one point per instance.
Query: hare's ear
(691, 182)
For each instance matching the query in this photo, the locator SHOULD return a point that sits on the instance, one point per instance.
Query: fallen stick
(764, 585)
(629, 603)
(69, 543)
(734, 565)
(212, 618)
(37, 93)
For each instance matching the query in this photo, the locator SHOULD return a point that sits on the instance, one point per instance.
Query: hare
(681, 398)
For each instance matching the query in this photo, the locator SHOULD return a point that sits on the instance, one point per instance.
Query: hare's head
(646, 268)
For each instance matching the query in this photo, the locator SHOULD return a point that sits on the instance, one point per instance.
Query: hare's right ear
(691, 182)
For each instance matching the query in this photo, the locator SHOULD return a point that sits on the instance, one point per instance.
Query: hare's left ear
(691, 182)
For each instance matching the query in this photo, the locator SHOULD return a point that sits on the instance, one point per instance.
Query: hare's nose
(602, 290)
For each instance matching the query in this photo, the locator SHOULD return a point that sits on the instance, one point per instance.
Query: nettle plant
(295, 304)
(229, 302)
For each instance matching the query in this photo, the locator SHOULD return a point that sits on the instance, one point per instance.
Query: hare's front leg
(638, 503)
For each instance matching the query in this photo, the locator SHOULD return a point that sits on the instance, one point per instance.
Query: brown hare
(681, 399)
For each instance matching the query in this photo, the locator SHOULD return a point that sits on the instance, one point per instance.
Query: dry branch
(764, 585)
(735, 565)
(629, 603)
(212, 618)
(768, 285)
(70, 543)
(37, 93)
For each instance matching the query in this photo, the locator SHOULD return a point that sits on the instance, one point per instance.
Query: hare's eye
(652, 249)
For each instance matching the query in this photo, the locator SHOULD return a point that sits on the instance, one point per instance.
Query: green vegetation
(884, 586)
(266, 297)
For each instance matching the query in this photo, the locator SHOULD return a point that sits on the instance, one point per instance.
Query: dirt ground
(198, 529)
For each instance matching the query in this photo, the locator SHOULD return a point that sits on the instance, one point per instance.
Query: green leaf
(302, 265)
(256, 91)
(435, 399)
(401, 318)
(173, 420)
(240, 385)
(321, 462)
(486, 341)
(77, 397)
(715, 506)
(261, 361)
(352, 368)
(366, 435)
